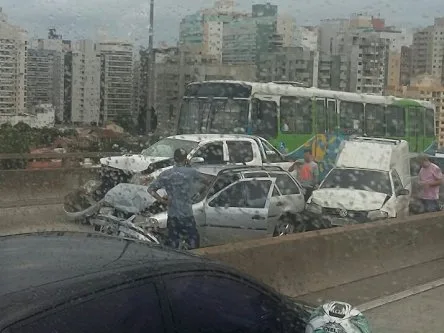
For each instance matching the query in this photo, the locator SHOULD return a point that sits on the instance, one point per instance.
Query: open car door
(240, 211)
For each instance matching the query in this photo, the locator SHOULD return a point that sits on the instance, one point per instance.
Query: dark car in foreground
(81, 282)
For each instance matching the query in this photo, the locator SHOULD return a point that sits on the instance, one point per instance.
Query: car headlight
(153, 222)
(313, 208)
(146, 222)
(377, 215)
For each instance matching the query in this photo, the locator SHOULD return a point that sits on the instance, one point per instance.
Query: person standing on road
(430, 179)
(178, 183)
(308, 173)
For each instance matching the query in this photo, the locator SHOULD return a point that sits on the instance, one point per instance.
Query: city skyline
(129, 20)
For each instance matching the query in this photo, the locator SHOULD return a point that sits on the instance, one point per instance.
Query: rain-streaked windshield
(175, 166)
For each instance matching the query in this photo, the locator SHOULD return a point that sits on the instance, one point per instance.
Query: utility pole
(151, 61)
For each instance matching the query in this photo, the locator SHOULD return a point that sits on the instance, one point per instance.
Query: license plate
(333, 328)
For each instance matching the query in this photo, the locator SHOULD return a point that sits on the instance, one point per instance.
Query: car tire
(285, 226)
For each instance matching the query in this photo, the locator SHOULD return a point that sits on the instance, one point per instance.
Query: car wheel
(284, 227)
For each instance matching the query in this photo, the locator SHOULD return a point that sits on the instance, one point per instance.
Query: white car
(208, 149)
(244, 203)
(348, 196)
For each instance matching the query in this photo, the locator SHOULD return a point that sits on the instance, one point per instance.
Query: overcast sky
(129, 18)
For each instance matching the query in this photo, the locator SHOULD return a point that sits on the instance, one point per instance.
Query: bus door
(321, 116)
(332, 115)
(264, 116)
(416, 127)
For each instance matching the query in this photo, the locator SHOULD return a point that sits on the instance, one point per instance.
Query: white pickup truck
(208, 149)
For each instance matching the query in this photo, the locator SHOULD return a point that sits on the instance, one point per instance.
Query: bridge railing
(31, 179)
(20, 161)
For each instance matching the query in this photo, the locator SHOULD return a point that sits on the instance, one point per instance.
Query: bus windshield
(213, 115)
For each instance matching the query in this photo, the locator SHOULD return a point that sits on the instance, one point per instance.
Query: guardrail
(27, 187)
(29, 156)
(20, 161)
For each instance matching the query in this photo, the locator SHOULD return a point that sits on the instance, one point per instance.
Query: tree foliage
(21, 138)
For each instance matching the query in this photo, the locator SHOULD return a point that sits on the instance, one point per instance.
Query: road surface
(418, 313)
(408, 300)
(36, 218)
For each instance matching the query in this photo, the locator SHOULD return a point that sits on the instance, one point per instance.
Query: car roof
(214, 170)
(47, 262)
(210, 137)
(248, 169)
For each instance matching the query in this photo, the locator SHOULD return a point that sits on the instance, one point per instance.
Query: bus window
(321, 116)
(395, 121)
(374, 120)
(189, 118)
(332, 115)
(429, 121)
(229, 116)
(264, 118)
(204, 115)
(297, 113)
(352, 117)
(416, 121)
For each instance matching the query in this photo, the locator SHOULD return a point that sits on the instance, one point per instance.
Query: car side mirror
(403, 192)
(197, 160)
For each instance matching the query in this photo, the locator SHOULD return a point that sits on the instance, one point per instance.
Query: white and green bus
(296, 117)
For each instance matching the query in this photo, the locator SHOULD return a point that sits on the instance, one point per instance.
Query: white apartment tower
(116, 80)
(13, 49)
(84, 83)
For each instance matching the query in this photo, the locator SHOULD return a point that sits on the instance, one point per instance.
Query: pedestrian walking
(178, 183)
(308, 173)
(430, 179)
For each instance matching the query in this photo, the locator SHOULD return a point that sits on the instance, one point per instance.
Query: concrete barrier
(304, 263)
(46, 186)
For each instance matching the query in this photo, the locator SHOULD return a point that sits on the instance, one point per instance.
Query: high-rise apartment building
(13, 54)
(286, 64)
(287, 28)
(428, 50)
(331, 36)
(420, 51)
(45, 75)
(435, 63)
(296, 36)
(393, 71)
(246, 39)
(116, 89)
(82, 83)
(203, 30)
(368, 58)
(333, 72)
(262, 10)
(405, 66)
